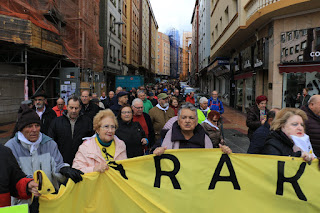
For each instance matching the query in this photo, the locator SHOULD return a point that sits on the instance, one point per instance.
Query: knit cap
(26, 116)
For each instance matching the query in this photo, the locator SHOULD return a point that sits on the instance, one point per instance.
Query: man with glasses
(46, 114)
(69, 129)
(160, 114)
(144, 120)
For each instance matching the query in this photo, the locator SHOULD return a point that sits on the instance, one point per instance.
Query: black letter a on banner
(293, 180)
(216, 176)
(171, 175)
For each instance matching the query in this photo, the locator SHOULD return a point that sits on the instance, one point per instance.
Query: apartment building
(153, 40)
(144, 43)
(163, 65)
(186, 54)
(194, 72)
(264, 47)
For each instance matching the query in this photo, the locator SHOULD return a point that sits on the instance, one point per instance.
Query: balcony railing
(255, 5)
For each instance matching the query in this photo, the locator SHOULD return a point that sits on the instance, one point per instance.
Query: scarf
(303, 143)
(163, 109)
(32, 146)
(205, 111)
(208, 122)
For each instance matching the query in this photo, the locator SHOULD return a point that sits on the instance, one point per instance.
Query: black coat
(116, 108)
(278, 143)
(91, 110)
(68, 144)
(258, 139)
(151, 135)
(10, 175)
(313, 129)
(131, 133)
(253, 119)
(107, 103)
(47, 117)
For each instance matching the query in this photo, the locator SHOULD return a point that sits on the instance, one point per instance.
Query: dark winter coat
(131, 133)
(116, 108)
(47, 117)
(107, 103)
(258, 139)
(214, 134)
(151, 135)
(278, 143)
(313, 129)
(253, 119)
(12, 181)
(91, 110)
(68, 144)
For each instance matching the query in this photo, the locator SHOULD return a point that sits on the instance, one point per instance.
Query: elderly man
(108, 102)
(177, 94)
(147, 105)
(13, 181)
(35, 151)
(160, 114)
(45, 113)
(144, 120)
(60, 107)
(215, 104)
(203, 110)
(88, 108)
(69, 129)
(103, 96)
(313, 122)
(115, 98)
(96, 100)
(122, 100)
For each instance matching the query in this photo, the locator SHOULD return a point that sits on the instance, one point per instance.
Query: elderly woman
(203, 110)
(34, 150)
(257, 115)
(186, 133)
(174, 104)
(212, 127)
(94, 154)
(288, 137)
(131, 133)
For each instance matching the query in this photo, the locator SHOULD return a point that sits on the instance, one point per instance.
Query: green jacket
(147, 105)
(201, 116)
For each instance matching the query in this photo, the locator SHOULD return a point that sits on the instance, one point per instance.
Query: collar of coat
(197, 138)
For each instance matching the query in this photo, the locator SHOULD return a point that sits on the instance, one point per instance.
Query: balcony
(254, 6)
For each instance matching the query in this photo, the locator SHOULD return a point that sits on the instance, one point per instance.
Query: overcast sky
(173, 13)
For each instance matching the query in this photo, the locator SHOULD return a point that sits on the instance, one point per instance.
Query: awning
(294, 68)
(243, 75)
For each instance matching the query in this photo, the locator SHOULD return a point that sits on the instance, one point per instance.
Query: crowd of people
(86, 133)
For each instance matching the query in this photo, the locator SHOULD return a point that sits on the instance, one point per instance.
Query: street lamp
(108, 49)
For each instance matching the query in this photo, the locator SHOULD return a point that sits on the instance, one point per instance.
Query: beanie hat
(27, 116)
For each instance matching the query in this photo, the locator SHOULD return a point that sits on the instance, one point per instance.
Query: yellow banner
(194, 180)
(15, 209)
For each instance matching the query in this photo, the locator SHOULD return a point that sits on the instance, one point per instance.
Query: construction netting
(75, 21)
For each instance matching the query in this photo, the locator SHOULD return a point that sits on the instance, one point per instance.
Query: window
(296, 34)
(297, 48)
(304, 32)
(283, 37)
(303, 45)
(112, 50)
(300, 58)
(119, 57)
(111, 24)
(286, 52)
(291, 50)
(289, 35)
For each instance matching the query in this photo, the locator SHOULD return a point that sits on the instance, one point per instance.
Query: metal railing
(254, 6)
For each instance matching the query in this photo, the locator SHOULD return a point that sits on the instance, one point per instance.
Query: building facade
(194, 72)
(144, 43)
(153, 40)
(163, 68)
(277, 55)
(186, 45)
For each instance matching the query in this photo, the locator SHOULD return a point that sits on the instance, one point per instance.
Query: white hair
(203, 99)
(136, 100)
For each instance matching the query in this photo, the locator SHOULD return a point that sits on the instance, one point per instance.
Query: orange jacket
(58, 111)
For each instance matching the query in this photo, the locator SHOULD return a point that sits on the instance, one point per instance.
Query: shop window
(283, 37)
(297, 48)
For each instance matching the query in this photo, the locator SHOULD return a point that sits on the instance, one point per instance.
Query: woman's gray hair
(189, 106)
(203, 99)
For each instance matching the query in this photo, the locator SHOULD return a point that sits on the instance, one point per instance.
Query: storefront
(300, 64)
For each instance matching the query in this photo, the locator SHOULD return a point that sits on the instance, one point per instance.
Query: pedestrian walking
(122, 99)
(212, 127)
(174, 104)
(60, 107)
(88, 108)
(147, 105)
(203, 110)
(190, 98)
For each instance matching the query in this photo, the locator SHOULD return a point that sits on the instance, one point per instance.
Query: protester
(69, 129)
(45, 113)
(177, 94)
(147, 105)
(60, 107)
(186, 133)
(97, 101)
(88, 108)
(36, 151)
(28, 103)
(203, 110)
(215, 104)
(257, 115)
(103, 96)
(160, 114)
(261, 134)
(131, 133)
(94, 154)
(303, 100)
(122, 99)
(212, 127)
(13, 181)
(152, 99)
(286, 128)
(115, 98)
(174, 104)
(144, 120)
(313, 122)
(108, 102)
(190, 98)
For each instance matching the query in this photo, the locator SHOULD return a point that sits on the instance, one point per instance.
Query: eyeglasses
(126, 112)
(213, 121)
(137, 107)
(106, 127)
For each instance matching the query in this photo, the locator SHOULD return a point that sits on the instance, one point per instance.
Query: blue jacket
(258, 139)
(216, 105)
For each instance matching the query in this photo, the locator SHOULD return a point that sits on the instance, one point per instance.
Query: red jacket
(191, 100)
(58, 111)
